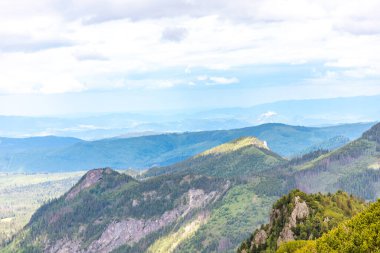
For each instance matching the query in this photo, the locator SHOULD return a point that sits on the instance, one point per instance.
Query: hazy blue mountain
(317, 112)
(36, 143)
(165, 149)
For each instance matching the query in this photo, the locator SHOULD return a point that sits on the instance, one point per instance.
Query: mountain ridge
(165, 149)
(238, 158)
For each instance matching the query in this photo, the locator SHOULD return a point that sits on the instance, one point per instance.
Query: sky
(69, 57)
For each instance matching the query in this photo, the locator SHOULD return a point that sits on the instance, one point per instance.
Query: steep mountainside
(353, 168)
(107, 211)
(165, 149)
(299, 216)
(242, 157)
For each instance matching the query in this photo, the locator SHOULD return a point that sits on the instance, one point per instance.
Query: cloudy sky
(65, 56)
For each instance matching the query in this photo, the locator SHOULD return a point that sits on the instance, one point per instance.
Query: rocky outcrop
(260, 237)
(300, 211)
(301, 216)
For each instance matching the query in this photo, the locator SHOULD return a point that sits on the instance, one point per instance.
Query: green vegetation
(301, 216)
(230, 221)
(237, 182)
(307, 157)
(292, 246)
(353, 168)
(359, 234)
(364, 184)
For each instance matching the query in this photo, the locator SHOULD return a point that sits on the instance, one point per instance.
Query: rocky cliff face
(299, 213)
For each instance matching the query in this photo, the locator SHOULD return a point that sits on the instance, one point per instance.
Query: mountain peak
(89, 179)
(95, 177)
(235, 145)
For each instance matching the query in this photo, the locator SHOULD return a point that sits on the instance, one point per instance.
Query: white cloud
(89, 56)
(71, 46)
(202, 78)
(217, 80)
(223, 80)
(267, 116)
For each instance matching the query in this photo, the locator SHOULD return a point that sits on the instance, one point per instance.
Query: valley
(22, 194)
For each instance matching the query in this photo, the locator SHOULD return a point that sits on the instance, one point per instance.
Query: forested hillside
(353, 168)
(108, 211)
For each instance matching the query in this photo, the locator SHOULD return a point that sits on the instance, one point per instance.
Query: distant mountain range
(317, 112)
(49, 154)
(212, 202)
